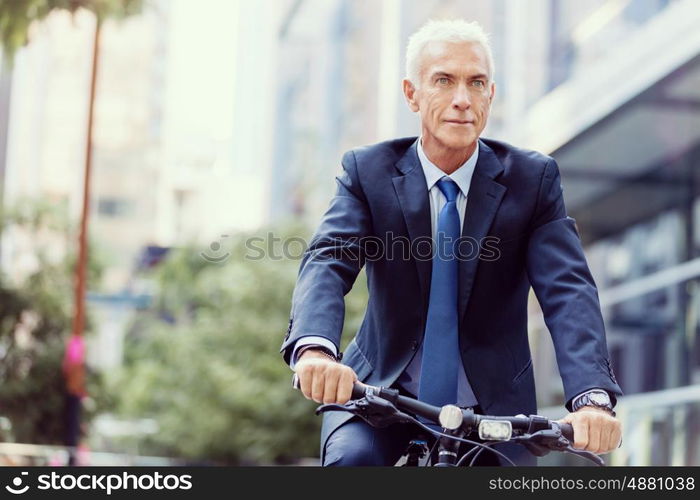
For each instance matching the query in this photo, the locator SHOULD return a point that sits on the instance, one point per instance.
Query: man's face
(454, 96)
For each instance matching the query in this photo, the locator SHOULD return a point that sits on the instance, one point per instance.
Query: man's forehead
(454, 56)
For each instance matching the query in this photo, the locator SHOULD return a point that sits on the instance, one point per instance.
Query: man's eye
(478, 84)
(443, 80)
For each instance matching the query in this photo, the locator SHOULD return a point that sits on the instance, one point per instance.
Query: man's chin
(460, 142)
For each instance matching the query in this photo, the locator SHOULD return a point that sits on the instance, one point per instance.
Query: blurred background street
(218, 121)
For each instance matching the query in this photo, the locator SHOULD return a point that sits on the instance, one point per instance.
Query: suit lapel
(411, 190)
(485, 195)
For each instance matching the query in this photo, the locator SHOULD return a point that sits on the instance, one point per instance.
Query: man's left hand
(595, 429)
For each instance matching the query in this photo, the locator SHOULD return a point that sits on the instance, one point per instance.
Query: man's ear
(409, 91)
(492, 92)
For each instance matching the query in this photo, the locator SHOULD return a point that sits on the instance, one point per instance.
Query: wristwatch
(598, 399)
(323, 350)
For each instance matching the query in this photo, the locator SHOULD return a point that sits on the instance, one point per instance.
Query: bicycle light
(495, 430)
(450, 417)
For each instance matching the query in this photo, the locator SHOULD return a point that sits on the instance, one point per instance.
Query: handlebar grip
(358, 390)
(567, 431)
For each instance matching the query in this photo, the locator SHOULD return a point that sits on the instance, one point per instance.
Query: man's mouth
(461, 122)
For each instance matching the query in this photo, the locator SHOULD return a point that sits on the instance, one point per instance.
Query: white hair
(448, 30)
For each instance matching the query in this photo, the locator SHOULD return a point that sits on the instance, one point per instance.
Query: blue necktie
(441, 360)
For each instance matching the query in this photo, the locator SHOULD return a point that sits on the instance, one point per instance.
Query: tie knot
(449, 188)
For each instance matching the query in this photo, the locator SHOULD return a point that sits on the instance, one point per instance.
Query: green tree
(34, 322)
(16, 16)
(15, 19)
(204, 361)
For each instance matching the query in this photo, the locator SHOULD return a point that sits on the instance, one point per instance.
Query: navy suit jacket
(516, 235)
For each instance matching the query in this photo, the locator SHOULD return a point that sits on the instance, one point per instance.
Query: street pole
(74, 361)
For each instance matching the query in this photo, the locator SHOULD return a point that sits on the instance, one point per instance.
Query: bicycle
(381, 407)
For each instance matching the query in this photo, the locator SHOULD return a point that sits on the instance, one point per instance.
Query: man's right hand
(324, 380)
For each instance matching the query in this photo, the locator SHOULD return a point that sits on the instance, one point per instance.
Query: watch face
(601, 399)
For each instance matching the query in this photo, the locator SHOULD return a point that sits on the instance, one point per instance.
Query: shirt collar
(462, 176)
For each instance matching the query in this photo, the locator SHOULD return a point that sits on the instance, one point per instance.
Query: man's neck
(446, 159)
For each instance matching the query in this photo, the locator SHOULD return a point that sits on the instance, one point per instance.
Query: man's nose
(461, 98)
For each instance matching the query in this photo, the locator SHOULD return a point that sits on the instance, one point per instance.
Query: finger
(580, 433)
(331, 386)
(594, 430)
(345, 386)
(317, 386)
(616, 436)
(570, 420)
(606, 437)
(305, 379)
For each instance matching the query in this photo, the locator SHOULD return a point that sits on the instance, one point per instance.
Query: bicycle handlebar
(469, 419)
(466, 420)
(380, 406)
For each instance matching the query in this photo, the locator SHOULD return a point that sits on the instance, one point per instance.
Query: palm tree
(16, 16)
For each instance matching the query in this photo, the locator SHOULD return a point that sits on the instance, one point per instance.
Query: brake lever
(540, 443)
(377, 412)
(586, 454)
(536, 449)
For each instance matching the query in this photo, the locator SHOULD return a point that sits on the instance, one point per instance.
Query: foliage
(16, 16)
(205, 362)
(35, 314)
(35, 320)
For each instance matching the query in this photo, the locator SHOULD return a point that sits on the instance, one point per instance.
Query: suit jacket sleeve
(331, 264)
(567, 294)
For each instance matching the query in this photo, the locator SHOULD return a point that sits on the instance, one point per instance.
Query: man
(448, 325)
